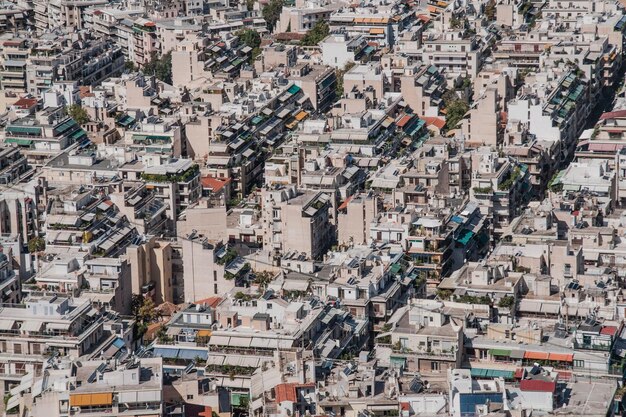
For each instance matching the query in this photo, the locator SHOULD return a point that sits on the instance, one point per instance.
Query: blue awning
(193, 353)
(119, 343)
(166, 353)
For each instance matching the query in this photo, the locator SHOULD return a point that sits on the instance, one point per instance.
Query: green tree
(36, 244)
(251, 38)
(144, 312)
(160, 67)
(317, 34)
(271, 13)
(340, 74)
(263, 278)
(250, 5)
(130, 66)
(506, 302)
(76, 112)
(490, 10)
(455, 112)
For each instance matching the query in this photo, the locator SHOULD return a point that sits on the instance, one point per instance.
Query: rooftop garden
(185, 176)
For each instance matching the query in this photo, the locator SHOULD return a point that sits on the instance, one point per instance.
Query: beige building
(204, 264)
(297, 222)
(366, 79)
(484, 125)
(354, 218)
(151, 270)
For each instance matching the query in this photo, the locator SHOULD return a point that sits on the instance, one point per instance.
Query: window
(190, 396)
(17, 348)
(214, 288)
(579, 363)
(36, 349)
(434, 366)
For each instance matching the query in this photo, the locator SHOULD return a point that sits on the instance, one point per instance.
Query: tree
(271, 13)
(263, 278)
(506, 302)
(36, 244)
(130, 66)
(317, 34)
(251, 38)
(76, 112)
(145, 313)
(250, 5)
(456, 108)
(490, 10)
(160, 67)
(340, 74)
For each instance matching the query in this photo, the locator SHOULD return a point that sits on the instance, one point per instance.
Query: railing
(421, 353)
(591, 346)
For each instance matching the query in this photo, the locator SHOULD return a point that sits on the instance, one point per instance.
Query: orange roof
(423, 18)
(215, 184)
(438, 122)
(85, 91)
(404, 120)
(211, 301)
(287, 392)
(25, 103)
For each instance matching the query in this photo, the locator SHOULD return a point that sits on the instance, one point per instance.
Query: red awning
(562, 357)
(536, 355)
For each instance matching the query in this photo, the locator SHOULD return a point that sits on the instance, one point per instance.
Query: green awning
(19, 141)
(236, 399)
(500, 352)
(395, 268)
(479, 372)
(126, 120)
(465, 237)
(65, 126)
(294, 89)
(397, 361)
(28, 130)
(78, 134)
(491, 373)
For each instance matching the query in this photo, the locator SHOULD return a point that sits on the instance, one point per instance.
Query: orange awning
(536, 355)
(85, 400)
(300, 116)
(562, 357)
(204, 333)
(377, 31)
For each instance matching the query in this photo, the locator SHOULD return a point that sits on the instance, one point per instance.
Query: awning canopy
(32, 326)
(192, 354)
(219, 340)
(87, 400)
(536, 355)
(240, 341)
(500, 352)
(561, 357)
(6, 324)
(517, 354)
